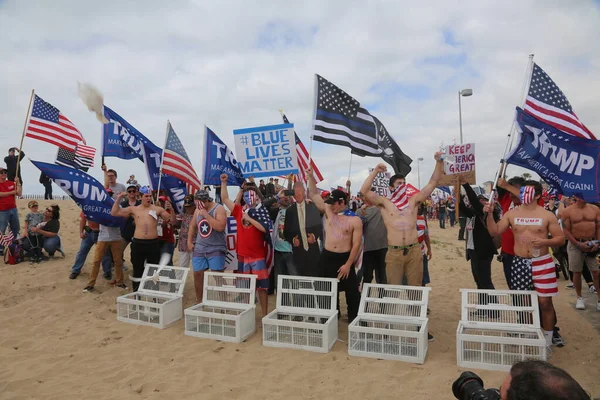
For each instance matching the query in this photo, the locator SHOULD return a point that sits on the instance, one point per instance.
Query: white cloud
(234, 64)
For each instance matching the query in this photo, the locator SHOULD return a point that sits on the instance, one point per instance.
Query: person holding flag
(9, 216)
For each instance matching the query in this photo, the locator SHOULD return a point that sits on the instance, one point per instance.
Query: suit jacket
(313, 224)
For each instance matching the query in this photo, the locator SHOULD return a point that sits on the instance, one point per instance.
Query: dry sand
(59, 343)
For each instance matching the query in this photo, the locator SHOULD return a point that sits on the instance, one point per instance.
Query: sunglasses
(132, 191)
(3, 172)
(34, 206)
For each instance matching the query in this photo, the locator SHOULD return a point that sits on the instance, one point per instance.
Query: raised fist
(223, 178)
(381, 167)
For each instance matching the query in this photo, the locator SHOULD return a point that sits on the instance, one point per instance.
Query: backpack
(13, 253)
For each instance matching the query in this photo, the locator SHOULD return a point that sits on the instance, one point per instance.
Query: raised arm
(433, 181)
(496, 229)
(117, 211)
(365, 189)
(192, 231)
(224, 194)
(105, 175)
(503, 184)
(314, 192)
(472, 196)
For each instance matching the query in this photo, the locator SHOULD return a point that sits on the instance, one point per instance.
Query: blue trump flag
(569, 164)
(122, 140)
(219, 159)
(445, 189)
(87, 192)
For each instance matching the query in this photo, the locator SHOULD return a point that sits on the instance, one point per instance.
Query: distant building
(487, 186)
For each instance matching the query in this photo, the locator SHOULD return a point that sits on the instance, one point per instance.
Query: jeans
(284, 265)
(481, 268)
(9, 218)
(87, 242)
(51, 244)
(462, 221)
(48, 191)
(442, 217)
(167, 247)
(374, 261)
(452, 215)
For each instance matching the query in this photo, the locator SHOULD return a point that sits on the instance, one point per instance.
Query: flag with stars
(122, 140)
(567, 163)
(546, 102)
(176, 161)
(261, 214)
(341, 120)
(304, 157)
(86, 191)
(71, 159)
(7, 238)
(48, 124)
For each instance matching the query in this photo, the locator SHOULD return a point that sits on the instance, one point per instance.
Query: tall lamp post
(461, 93)
(419, 171)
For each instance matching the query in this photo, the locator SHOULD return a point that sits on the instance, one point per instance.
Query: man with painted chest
(532, 267)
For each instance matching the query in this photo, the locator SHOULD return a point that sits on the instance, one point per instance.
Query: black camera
(288, 192)
(469, 386)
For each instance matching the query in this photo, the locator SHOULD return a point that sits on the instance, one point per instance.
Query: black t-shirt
(128, 229)
(442, 206)
(52, 226)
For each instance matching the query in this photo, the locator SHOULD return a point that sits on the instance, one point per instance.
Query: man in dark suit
(303, 227)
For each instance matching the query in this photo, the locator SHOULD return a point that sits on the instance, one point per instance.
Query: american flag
(177, 163)
(7, 239)
(83, 150)
(399, 197)
(546, 102)
(49, 125)
(69, 158)
(303, 156)
(261, 214)
(527, 194)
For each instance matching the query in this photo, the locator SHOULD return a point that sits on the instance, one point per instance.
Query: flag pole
(510, 139)
(24, 130)
(350, 167)
(162, 158)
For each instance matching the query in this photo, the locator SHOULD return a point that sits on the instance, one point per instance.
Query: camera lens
(467, 386)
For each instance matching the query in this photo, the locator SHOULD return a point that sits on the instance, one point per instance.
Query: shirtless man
(400, 219)
(581, 224)
(532, 267)
(145, 246)
(343, 236)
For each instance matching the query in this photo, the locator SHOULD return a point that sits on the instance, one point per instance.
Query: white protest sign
(266, 150)
(459, 158)
(231, 261)
(381, 183)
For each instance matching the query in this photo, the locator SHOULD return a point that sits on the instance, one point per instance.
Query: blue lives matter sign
(567, 163)
(266, 150)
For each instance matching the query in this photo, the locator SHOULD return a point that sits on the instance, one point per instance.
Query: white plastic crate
(306, 314)
(158, 301)
(499, 328)
(227, 311)
(391, 324)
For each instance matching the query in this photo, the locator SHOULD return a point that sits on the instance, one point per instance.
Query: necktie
(302, 222)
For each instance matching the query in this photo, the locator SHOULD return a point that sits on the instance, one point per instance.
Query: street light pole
(465, 93)
(419, 171)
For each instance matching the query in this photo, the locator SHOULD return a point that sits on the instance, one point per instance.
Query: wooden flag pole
(23, 134)
(162, 158)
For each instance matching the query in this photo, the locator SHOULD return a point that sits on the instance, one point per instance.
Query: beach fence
(41, 197)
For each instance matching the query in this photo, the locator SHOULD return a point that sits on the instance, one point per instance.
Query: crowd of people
(327, 234)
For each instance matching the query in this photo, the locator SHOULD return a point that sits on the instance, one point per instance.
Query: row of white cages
(497, 327)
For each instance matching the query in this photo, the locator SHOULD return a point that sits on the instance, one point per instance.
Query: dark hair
(394, 178)
(113, 171)
(517, 181)
(536, 185)
(539, 380)
(55, 211)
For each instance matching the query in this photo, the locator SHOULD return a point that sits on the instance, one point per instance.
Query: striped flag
(177, 163)
(48, 124)
(399, 197)
(303, 157)
(7, 239)
(527, 193)
(69, 158)
(547, 103)
(83, 150)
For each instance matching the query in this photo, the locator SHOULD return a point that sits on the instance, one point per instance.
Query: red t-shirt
(508, 238)
(7, 202)
(167, 231)
(250, 241)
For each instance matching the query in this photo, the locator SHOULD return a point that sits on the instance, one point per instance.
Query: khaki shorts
(397, 264)
(578, 257)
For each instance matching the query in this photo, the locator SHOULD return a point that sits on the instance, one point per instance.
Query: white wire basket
(227, 311)
(499, 328)
(391, 324)
(158, 301)
(306, 314)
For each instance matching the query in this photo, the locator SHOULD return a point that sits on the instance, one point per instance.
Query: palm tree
(526, 175)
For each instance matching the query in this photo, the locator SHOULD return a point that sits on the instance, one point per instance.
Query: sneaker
(430, 337)
(73, 275)
(580, 305)
(557, 340)
(570, 286)
(122, 286)
(593, 289)
(108, 276)
(88, 289)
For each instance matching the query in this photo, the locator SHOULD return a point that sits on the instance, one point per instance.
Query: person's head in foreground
(52, 212)
(146, 196)
(396, 181)
(203, 197)
(539, 380)
(338, 200)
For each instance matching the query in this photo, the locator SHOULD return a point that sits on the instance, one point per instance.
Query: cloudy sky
(234, 64)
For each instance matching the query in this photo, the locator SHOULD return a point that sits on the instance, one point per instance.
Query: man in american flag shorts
(532, 267)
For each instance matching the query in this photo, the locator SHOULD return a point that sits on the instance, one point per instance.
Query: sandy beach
(59, 343)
